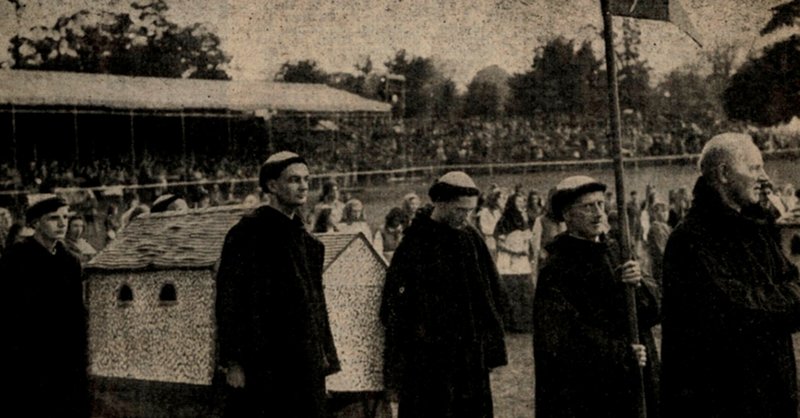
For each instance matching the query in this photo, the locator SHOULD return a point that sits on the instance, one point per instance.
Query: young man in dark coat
(585, 363)
(731, 298)
(275, 342)
(44, 320)
(440, 309)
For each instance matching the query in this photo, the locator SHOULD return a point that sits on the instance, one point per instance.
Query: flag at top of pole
(666, 10)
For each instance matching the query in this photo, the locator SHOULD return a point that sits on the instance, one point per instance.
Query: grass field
(378, 200)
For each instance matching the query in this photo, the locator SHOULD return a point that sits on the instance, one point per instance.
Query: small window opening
(795, 245)
(125, 295)
(168, 293)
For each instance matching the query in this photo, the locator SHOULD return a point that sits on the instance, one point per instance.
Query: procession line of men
(731, 302)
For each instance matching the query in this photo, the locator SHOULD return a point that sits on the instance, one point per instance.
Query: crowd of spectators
(412, 143)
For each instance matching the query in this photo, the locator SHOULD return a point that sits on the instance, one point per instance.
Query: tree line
(566, 79)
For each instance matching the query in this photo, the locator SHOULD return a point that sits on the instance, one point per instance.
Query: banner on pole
(666, 10)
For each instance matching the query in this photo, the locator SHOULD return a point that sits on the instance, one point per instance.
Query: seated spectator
(353, 219)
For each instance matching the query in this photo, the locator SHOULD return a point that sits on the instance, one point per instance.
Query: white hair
(726, 148)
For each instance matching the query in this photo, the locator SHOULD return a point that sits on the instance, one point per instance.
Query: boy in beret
(585, 364)
(275, 342)
(44, 320)
(440, 309)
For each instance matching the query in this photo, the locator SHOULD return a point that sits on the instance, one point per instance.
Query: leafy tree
(115, 43)
(428, 91)
(765, 88)
(482, 99)
(304, 71)
(562, 80)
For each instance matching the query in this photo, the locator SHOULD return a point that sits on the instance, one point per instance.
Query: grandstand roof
(47, 88)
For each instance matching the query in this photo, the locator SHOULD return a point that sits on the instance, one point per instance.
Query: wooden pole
(619, 175)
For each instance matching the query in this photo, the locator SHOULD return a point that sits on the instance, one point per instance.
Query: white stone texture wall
(353, 286)
(151, 340)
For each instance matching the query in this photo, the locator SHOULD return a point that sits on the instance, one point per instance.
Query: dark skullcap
(451, 186)
(274, 166)
(569, 190)
(43, 207)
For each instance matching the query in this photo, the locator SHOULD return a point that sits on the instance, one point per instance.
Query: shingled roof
(50, 88)
(170, 240)
(336, 243)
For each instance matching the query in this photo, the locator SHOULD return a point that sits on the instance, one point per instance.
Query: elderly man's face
(744, 177)
(586, 217)
(456, 213)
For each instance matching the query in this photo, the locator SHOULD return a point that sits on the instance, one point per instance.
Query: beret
(275, 164)
(43, 207)
(569, 190)
(451, 186)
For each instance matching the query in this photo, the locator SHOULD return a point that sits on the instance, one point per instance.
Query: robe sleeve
(232, 311)
(560, 330)
(394, 313)
(754, 302)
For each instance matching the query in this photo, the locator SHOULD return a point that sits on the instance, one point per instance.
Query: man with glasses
(440, 308)
(585, 364)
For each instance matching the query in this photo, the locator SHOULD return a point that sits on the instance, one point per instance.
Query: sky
(463, 36)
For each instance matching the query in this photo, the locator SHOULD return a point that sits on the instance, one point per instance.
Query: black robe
(44, 327)
(584, 364)
(443, 329)
(271, 317)
(731, 303)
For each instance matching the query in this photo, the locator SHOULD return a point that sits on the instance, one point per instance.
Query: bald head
(732, 164)
(726, 149)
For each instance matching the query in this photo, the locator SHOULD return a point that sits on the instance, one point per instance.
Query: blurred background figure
(132, 214)
(657, 236)
(545, 228)
(17, 233)
(514, 249)
(535, 205)
(388, 237)
(354, 220)
(489, 215)
(251, 200)
(329, 199)
(169, 202)
(411, 203)
(325, 222)
(6, 221)
(75, 242)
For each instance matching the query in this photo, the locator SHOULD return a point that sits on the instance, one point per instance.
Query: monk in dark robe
(275, 342)
(441, 311)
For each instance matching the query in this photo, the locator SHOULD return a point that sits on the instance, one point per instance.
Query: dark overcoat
(443, 329)
(272, 318)
(731, 303)
(584, 363)
(44, 327)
